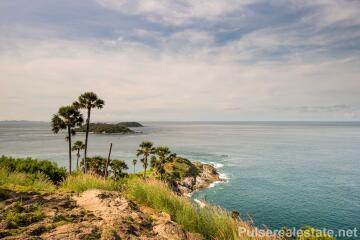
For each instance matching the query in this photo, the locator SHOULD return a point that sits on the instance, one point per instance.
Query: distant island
(122, 127)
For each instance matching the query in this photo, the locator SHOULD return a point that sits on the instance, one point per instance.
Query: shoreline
(208, 177)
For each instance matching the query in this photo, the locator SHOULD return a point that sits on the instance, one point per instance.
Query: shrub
(32, 166)
(81, 182)
(212, 222)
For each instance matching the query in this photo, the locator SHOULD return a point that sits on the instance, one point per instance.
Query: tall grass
(212, 222)
(24, 182)
(80, 182)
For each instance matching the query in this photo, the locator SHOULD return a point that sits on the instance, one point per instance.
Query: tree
(145, 150)
(67, 117)
(95, 165)
(88, 101)
(163, 156)
(77, 147)
(134, 161)
(118, 167)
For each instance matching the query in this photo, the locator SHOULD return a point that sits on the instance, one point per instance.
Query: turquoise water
(280, 174)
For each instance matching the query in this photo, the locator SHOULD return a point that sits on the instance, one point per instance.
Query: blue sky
(182, 60)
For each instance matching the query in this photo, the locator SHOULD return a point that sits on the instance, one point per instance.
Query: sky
(182, 60)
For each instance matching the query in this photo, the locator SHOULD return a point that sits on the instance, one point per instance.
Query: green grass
(212, 222)
(81, 182)
(23, 182)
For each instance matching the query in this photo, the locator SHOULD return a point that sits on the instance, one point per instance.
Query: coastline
(208, 177)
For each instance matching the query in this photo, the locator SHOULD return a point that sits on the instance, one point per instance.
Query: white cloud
(178, 12)
(142, 83)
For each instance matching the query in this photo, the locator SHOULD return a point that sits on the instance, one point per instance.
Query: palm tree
(145, 150)
(134, 161)
(164, 156)
(88, 101)
(77, 147)
(67, 117)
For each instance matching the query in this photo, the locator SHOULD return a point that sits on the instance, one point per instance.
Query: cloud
(178, 12)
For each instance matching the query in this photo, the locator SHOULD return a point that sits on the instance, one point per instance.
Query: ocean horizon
(278, 174)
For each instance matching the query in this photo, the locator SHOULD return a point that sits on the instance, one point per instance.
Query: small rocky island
(121, 127)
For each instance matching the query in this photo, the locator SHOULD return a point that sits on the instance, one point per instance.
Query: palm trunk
(107, 162)
(69, 132)
(77, 161)
(134, 168)
(86, 137)
(145, 166)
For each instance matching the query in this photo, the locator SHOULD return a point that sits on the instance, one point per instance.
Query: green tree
(162, 156)
(77, 147)
(94, 165)
(88, 101)
(67, 117)
(145, 150)
(134, 161)
(118, 167)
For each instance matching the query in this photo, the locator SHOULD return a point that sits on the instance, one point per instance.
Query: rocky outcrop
(94, 214)
(207, 175)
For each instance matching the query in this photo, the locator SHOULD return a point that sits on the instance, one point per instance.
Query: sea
(277, 174)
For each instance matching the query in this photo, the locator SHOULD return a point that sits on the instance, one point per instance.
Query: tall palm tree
(163, 156)
(134, 161)
(145, 150)
(67, 117)
(88, 101)
(77, 147)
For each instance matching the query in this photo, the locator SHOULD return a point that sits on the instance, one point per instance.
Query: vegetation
(212, 223)
(77, 147)
(88, 101)
(134, 162)
(67, 117)
(20, 215)
(310, 233)
(118, 167)
(145, 150)
(97, 165)
(23, 182)
(33, 167)
(81, 182)
(130, 124)
(105, 128)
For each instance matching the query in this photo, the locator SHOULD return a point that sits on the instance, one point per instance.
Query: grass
(23, 182)
(212, 222)
(80, 182)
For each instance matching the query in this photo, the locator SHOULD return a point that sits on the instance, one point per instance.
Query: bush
(32, 166)
(211, 222)
(81, 182)
(24, 182)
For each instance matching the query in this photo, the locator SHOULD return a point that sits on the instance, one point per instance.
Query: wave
(201, 203)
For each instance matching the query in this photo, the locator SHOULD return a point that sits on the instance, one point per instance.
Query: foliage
(117, 168)
(95, 165)
(130, 124)
(212, 222)
(32, 166)
(105, 128)
(24, 182)
(145, 150)
(81, 182)
(67, 117)
(310, 233)
(179, 168)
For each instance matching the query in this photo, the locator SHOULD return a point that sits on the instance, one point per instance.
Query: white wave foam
(223, 176)
(217, 165)
(201, 204)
